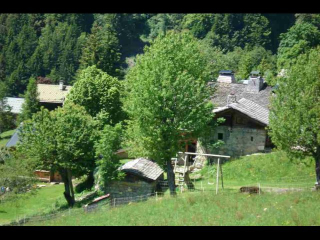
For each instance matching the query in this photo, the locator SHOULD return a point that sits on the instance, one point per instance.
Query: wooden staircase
(181, 172)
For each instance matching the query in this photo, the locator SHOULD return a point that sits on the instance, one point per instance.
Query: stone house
(141, 178)
(245, 108)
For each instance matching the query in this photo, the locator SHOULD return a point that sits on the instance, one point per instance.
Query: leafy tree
(239, 30)
(256, 59)
(167, 98)
(61, 140)
(308, 18)
(294, 117)
(108, 162)
(298, 40)
(163, 22)
(99, 94)
(279, 23)
(31, 101)
(199, 24)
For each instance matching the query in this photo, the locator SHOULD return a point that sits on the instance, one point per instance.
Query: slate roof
(15, 104)
(249, 108)
(143, 168)
(219, 99)
(51, 93)
(13, 140)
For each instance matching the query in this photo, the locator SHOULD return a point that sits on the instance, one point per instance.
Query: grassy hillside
(42, 201)
(5, 136)
(203, 208)
(229, 207)
(269, 169)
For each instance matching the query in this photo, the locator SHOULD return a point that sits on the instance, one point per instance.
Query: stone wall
(121, 189)
(239, 140)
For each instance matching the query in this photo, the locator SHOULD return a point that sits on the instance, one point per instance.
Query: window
(251, 139)
(220, 136)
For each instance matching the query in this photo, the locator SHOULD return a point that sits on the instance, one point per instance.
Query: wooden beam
(204, 154)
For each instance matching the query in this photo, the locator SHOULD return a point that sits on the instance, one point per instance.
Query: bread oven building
(141, 178)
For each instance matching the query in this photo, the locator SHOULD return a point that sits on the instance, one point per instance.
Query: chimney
(255, 82)
(226, 76)
(61, 86)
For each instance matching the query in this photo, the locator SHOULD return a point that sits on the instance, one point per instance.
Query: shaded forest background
(53, 47)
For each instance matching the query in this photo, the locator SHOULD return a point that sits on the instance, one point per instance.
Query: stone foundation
(122, 189)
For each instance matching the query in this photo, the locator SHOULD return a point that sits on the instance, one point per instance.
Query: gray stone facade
(122, 189)
(240, 141)
(241, 136)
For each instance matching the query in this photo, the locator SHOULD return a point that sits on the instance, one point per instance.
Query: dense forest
(57, 46)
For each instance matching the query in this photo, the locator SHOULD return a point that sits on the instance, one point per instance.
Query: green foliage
(239, 30)
(108, 162)
(241, 61)
(16, 173)
(61, 140)
(6, 117)
(256, 59)
(298, 40)
(31, 101)
(167, 95)
(312, 18)
(99, 94)
(102, 49)
(163, 22)
(294, 117)
(199, 24)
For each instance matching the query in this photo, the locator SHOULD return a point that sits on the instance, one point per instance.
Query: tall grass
(205, 208)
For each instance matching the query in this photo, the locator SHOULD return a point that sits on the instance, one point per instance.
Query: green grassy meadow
(43, 201)
(204, 207)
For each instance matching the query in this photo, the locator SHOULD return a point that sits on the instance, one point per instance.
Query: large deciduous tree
(167, 98)
(295, 109)
(99, 94)
(63, 141)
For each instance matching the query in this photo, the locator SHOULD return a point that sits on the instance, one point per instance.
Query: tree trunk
(171, 178)
(317, 164)
(68, 188)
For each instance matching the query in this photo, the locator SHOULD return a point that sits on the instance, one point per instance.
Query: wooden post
(217, 186)
(221, 176)
(156, 196)
(259, 188)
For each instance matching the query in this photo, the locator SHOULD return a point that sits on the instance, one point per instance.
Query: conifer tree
(31, 101)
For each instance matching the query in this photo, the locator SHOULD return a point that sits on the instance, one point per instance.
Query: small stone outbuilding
(142, 178)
